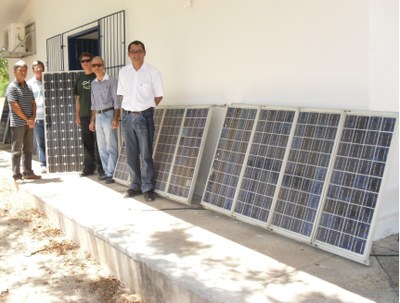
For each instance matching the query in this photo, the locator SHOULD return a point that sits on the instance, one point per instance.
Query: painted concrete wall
(303, 53)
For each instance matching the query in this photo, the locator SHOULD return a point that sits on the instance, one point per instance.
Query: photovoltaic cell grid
(64, 150)
(187, 156)
(164, 150)
(178, 143)
(325, 190)
(305, 172)
(229, 157)
(354, 185)
(121, 171)
(264, 164)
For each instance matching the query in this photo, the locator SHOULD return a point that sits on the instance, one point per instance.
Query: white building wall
(304, 53)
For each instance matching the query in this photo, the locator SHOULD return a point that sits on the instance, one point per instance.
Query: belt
(104, 110)
(138, 113)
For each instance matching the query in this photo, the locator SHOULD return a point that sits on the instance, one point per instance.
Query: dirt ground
(39, 264)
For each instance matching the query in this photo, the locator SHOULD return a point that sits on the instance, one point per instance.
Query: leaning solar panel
(64, 151)
(178, 150)
(306, 169)
(265, 162)
(229, 157)
(351, 200)
(188, 153)
(165, 147)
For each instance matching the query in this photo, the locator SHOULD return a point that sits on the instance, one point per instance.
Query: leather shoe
(149, 196)
(132, 193)
(103, 177)
(86, 173)
(32, 176)
(17, 178)
(109, 180)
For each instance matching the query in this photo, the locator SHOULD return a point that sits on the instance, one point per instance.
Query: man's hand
(31, 122)
(92, 126)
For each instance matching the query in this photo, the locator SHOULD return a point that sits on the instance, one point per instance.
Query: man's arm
(18, 110)
(157, 100)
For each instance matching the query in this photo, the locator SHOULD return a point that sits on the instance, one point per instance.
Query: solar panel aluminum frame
(167, 192)
(251, 220)
(360, 258)
(242, 171)
(286, 232)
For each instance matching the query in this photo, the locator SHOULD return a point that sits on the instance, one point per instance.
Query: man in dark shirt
(82, 118)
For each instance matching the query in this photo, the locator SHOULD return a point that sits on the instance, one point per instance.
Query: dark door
(87, 41)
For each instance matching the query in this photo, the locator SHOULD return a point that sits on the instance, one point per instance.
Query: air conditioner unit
(14, 38)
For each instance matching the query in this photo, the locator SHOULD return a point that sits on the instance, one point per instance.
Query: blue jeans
(40, 141)
(139, 133)
(107, 142)
(21, 146)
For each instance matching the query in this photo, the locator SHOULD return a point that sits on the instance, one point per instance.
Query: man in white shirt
(140, 86)
(36, 84)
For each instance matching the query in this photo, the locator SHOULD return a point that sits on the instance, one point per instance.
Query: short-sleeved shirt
(22, 94)
(139, 87)
(104, 93)
(37, 89)
(83, 90)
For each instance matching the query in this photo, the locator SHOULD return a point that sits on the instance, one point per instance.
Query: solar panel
(313, 175)
(351, 200)
(64, 151)
(179, 139)
(229, 157)
(264, 164)
(188, 153)
(305, 172)
(165, 148)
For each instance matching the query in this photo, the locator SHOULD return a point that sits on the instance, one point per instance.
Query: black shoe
(132, 193)
(86, 173)
(149, 196)
(109, 180)
(17, 178)
(102, 177)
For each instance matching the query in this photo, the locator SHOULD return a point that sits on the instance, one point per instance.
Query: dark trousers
(21, 146)
(91, 158)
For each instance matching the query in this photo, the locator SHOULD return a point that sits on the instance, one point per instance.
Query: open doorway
(86, 41)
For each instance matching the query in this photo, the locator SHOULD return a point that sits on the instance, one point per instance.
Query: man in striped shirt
(22, 107)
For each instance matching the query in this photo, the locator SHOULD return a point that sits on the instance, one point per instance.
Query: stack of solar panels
(64, 151)
(180, 134)
(311, 175)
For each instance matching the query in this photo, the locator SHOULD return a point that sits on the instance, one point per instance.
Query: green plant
(4, 78)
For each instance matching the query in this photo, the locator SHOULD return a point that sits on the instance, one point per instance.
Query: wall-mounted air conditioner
(14, 38)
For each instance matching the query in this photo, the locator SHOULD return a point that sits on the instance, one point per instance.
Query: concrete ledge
(168, 252)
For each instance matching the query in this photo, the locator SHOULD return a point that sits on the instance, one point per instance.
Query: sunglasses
(97, 65)
(86, 60)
